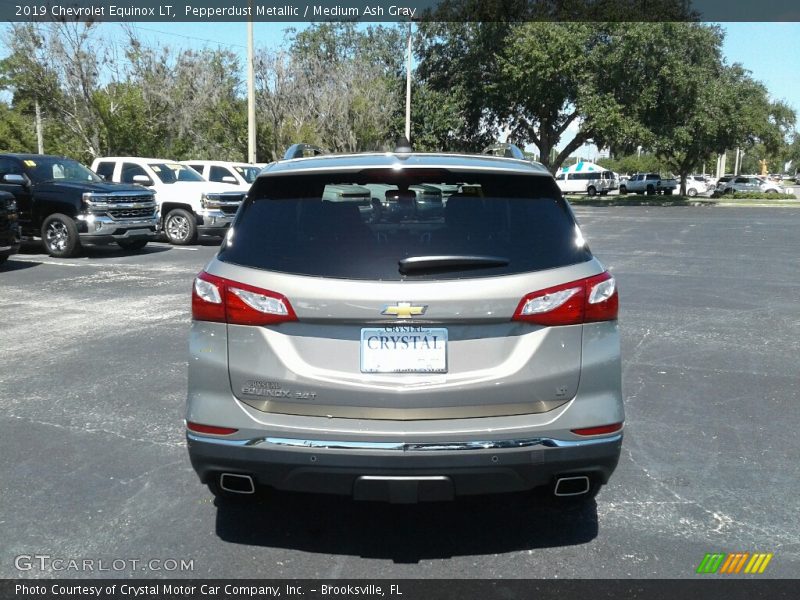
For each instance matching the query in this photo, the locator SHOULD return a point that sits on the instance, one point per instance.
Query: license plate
(403, 349)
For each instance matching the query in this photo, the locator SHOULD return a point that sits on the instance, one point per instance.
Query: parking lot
(93, 355)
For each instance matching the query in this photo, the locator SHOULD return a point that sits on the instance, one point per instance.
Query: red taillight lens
(225, 301)
(213, 429)
(598, 430)
(583, 301)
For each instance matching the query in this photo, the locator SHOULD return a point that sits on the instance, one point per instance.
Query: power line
(188, 37)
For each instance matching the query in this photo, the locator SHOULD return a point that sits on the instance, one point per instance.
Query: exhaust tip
(572, 486)
(235, 483)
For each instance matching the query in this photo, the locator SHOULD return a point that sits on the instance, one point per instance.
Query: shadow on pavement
(17, 265)
(403, 533)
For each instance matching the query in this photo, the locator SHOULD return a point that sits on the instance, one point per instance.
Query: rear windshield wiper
(450, 262)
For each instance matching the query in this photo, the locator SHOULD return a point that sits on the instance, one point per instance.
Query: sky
(768, 50)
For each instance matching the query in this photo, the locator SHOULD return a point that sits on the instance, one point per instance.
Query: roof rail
(302, 151)
(505, 150)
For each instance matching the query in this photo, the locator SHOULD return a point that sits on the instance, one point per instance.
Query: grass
(644, 200)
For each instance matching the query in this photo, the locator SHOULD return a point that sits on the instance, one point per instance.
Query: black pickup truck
(67, 205)
(9, 228)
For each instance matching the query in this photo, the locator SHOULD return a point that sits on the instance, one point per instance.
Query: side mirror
(229, 179)
(15, 179)
(142, 179)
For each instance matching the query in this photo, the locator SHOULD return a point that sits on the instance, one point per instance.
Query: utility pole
(408, 85)
(39, 133)
(251, 96)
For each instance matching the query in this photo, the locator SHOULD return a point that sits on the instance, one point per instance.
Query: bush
(759, 196)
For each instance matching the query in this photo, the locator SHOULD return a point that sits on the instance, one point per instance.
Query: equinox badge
(404, 310)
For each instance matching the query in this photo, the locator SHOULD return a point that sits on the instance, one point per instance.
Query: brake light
(213, 429)
(223, 300)
(584, 301)
(598, 430)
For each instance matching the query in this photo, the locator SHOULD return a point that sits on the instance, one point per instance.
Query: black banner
(400, 589)
(398, 10)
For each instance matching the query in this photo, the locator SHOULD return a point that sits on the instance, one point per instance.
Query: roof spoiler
(302, 151)
(505, 150)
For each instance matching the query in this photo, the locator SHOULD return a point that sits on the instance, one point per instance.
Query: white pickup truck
(648, 183)
(188, 204)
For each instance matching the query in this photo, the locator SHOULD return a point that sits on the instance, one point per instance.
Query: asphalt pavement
(93, 355)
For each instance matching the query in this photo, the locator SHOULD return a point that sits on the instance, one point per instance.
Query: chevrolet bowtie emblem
(404, 310)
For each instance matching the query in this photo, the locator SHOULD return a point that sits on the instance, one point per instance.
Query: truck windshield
(54, 168)
(247, 172)
(172, 172)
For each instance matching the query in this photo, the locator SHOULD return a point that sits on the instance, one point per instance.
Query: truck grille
(131, 213)
(132, 199)
(228, 209)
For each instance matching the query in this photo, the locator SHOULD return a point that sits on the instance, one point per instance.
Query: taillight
(600, 430)
(583, 301)
(226, 301)
(213, 429)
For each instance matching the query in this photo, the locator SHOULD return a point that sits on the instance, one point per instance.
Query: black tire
(691, 192)
(180, 227)
(591, 190)
(132, 245)
(623, 190)
(650, 190)
(3, 259)
(60, 236)
(770, 192)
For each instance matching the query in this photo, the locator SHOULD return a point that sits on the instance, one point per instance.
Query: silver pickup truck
(648, 183)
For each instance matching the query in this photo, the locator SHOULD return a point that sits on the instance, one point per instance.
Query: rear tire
(691, 192)
(60, 236)
(132, 245)
(591, 190)
(623, 190)
(180, 227)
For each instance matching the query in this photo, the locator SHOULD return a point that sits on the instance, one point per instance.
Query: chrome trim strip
(406, 446)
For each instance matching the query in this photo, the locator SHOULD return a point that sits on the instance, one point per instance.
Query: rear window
(293, 224)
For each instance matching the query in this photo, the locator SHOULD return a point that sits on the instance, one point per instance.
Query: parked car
(9, 226)
(238, 175)
(188, 204)
(695, 186)
(751, 183)
(613, 180)
(67, 206)
(416, 360)
(720, 185)
(587, 182)
(648, 183)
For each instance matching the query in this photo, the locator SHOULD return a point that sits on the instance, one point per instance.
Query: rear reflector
(198, 428)
(600, 430)
(582, 301)
(223, 300)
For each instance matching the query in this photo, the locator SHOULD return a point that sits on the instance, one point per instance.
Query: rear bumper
(362, 469)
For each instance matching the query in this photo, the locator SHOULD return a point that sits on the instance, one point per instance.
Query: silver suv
(469, 352)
